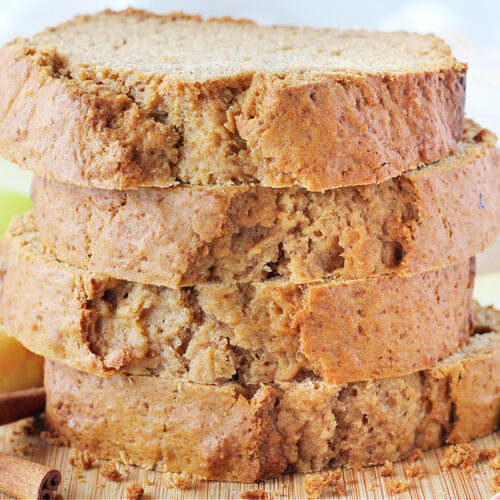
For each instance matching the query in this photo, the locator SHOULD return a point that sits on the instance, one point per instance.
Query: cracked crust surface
(429, 218)
(122, 100)
(240, 433)
(338, 331)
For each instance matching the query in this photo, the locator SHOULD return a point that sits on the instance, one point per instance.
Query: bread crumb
(415, 455)
(182, 481)
(314, 484)
(53, 439)
(359, 468)
(495, 483)
(110, 472)
(487, 454)
(254, 495)
(81, 459)
(32, 427)
(397, 486)
(278, 493)
(17, 428)
(283, 491)
(22, 450)
(134, 491)
(77, 474)
(387, 469)
(147, 482)
(460, 455)
(494, 463)
(415, 471)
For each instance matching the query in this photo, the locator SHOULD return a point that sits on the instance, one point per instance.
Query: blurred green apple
(11, 204)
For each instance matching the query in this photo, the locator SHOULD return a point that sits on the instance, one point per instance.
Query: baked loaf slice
(428, 218)
(239, 433)
(128, 99)
(337, 330)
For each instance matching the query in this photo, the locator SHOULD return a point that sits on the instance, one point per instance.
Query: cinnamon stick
(21, 404)
(21, 478)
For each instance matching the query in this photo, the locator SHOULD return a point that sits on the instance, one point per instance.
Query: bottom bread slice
(248, 433)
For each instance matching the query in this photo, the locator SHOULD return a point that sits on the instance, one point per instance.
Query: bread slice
(272, 331)
(429, 218)
(128, 99)
(239, 433)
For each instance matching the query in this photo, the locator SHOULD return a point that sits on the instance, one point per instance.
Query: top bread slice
(127, 99)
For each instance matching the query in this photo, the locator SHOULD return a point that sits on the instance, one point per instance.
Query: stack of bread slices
(252, 248)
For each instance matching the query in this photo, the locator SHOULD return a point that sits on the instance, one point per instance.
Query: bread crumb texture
(110, 472)
(81, 459)
(134, 491)
(314, 484)
(463, 456)
(495, 483)
(415, 471)
(255, 495)
(396, 486)
(415, 455)
(180, 481)
(387, 469)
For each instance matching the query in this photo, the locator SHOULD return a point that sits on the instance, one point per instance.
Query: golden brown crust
(119, 129)
(180, 236)
(247, 435)
(276, 330)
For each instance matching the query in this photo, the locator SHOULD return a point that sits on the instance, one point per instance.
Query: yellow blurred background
(19, 368)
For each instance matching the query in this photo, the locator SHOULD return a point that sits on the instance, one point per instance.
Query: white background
(472, 28)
